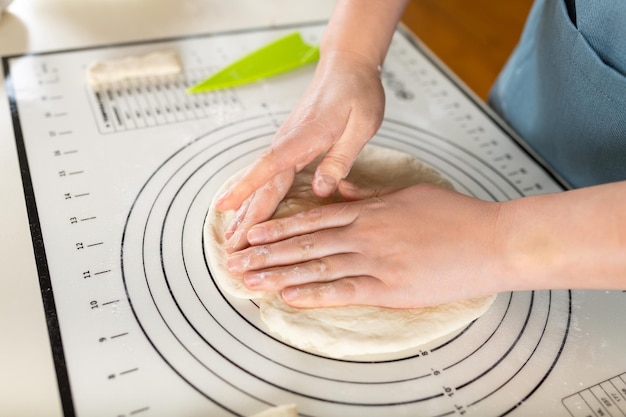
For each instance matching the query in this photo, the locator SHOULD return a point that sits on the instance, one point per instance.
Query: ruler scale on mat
(118, 183)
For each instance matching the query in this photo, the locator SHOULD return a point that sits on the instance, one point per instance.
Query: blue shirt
(564, 88)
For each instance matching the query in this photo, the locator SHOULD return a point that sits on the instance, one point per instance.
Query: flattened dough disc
(354, 330)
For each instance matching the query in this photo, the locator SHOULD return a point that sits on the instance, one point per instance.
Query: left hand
(340, 111)
(419, 246)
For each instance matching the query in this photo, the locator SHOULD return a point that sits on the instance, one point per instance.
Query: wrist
(347, 60)
(573, 239)
(362, 27)
(529, 254)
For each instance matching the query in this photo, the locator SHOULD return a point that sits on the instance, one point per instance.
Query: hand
(415, 247)
(340, 112)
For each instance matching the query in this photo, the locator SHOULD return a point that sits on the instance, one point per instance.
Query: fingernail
(232, 226)
(257, 235)
(222, 197)
(235, 242)
(325, 185)
(290, 293)
(234, 263)
(253, 280)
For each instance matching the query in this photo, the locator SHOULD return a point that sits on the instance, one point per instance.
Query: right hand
(339, 113)
(415, 247)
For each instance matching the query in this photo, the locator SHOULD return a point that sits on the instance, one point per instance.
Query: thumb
(333, 168)
(339, 159)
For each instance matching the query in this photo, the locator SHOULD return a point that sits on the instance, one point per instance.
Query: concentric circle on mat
(219, 346)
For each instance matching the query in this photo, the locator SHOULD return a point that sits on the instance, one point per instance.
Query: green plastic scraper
(283, 54)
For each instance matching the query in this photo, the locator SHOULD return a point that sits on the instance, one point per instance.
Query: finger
(310, 221)
(358, 290)
(239, 216)
(334, 167)
(290, 251)
(258, 208)
(325, 269)
(337, 162)
(265, 168)
(352, 192)
(293, 148)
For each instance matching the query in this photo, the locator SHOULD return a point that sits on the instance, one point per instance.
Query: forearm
(362, 27)
(575, 239)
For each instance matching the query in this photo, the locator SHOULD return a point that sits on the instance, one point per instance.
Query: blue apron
(564, 88)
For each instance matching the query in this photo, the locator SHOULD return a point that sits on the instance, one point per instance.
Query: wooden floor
(473, 37)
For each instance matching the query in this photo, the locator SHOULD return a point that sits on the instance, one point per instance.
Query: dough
(354, 330)
(289, 410)
(3, 5)
(155, 64)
